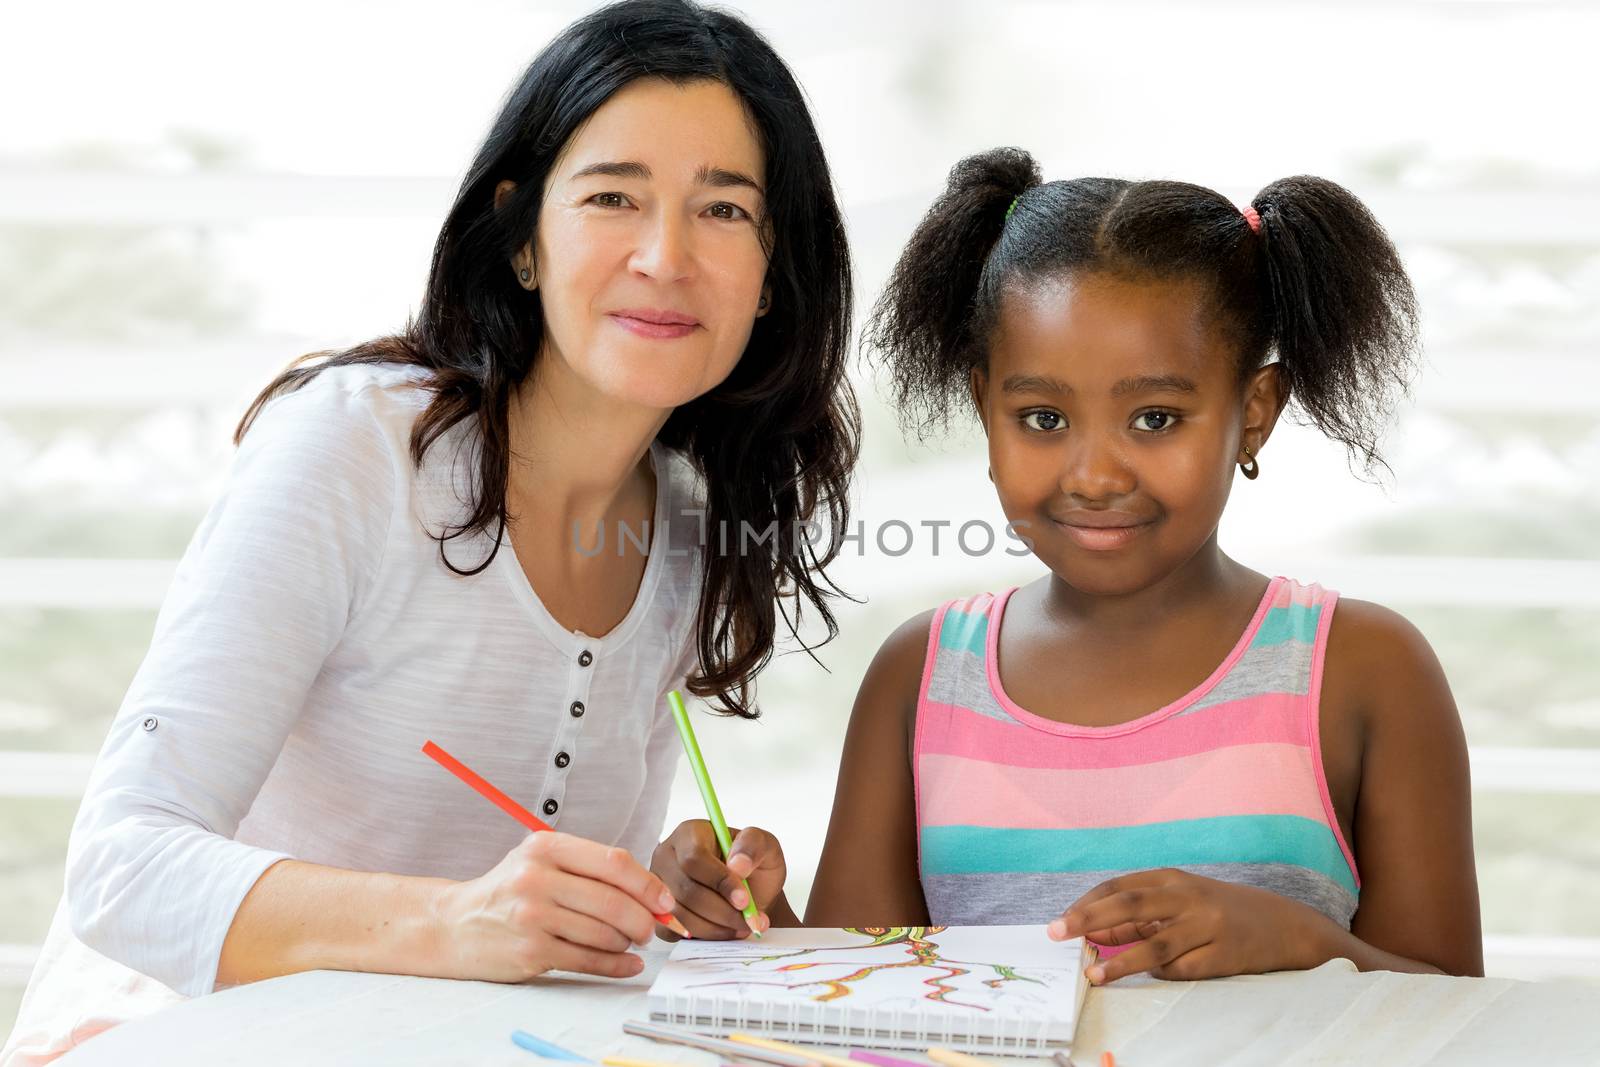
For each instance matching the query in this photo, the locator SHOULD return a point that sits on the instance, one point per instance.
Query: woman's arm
(868, 872)
(555, 902)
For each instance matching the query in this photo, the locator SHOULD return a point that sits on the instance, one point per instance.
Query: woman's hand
(555, 902)
(1193, 927)
(710, 898)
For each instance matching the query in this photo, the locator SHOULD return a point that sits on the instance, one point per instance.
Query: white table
(1332, 1015)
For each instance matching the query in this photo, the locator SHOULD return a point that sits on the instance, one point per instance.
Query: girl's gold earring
(1251, 470)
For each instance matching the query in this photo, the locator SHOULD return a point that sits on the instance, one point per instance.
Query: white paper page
(978, 986)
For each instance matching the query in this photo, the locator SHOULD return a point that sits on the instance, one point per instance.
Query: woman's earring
(524, 274)
(761, 304)
(1251, 470)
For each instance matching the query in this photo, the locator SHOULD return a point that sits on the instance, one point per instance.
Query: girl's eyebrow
(716, 177)
(1144, 383)
(1161, 383)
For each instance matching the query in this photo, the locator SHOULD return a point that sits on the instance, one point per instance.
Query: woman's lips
(655, 324)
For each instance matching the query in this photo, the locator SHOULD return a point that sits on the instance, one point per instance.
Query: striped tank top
(1019, 815)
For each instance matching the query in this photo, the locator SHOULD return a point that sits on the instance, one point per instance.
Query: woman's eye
(1044, 421)
(609, 199)
(728, 211)
(1154, 420)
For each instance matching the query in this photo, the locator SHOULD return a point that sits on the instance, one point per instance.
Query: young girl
(1153, 745)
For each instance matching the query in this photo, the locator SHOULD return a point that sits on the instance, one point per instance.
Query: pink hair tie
(1252, 218)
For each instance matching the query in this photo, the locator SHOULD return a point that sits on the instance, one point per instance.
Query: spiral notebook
(999, 989)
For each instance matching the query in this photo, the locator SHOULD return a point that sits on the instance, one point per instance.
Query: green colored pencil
(702, 777)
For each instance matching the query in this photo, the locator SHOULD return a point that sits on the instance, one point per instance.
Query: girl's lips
(1102, 538)
(659, 330)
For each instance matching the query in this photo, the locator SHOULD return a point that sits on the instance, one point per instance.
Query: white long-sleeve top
(311, 641)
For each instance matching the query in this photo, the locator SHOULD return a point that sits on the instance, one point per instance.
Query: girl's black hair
(1320, 285)
(776, 442)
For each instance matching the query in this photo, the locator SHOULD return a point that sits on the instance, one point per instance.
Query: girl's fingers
(1124, 933)
(1126, 905)
(710, 907)
(1166, 945)
(605, 903)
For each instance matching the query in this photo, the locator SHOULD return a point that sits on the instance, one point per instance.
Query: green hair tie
(1012, 208)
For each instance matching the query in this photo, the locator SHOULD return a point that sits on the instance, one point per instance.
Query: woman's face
(649, 258)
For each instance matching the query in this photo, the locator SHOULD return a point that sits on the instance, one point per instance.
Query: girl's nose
(1094, 469)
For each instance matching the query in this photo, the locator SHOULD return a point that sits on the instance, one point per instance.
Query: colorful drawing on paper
(824, 975)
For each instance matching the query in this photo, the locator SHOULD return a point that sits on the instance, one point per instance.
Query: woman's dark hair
(775, 443)
(1319, 284)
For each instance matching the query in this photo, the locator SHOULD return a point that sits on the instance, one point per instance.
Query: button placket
(565, 742)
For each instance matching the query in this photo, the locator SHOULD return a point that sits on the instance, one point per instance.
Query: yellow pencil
(624, 1061)
(951, 1058)
(783, 1046)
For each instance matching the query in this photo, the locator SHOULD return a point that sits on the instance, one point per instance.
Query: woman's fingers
(564, 955)
(1161, 948)
(609, 864)
(585, 931)
(604, 903)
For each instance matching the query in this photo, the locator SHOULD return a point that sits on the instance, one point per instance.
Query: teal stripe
(1183, 842)
(965, 632)
(1297, 622)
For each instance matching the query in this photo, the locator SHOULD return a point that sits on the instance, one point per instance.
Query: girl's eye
(1155, 421)
(609, 199)
(725, 210)
(1043, 421)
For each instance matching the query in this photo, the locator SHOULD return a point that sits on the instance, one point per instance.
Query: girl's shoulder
(1382, 672)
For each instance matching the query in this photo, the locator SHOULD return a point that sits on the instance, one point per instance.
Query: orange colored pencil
(518, 812)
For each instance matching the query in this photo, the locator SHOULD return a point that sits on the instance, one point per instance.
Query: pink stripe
(1271, 779)
(1319, 657)
(948, 729)
(1275, 589)
(922, 702)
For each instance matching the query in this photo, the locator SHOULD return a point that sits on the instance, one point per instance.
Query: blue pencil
(544, 1048)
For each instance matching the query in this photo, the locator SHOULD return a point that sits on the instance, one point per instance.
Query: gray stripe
(1037, 897)
(1280, 668)
(962, 678)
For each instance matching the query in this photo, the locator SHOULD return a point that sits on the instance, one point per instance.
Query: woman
(634, 331)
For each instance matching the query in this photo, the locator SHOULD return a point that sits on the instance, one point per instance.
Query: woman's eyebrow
(722, 178)
(623, 169)
(716, 177)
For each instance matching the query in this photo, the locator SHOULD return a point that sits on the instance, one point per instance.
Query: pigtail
(922, 327)
(1344, 315)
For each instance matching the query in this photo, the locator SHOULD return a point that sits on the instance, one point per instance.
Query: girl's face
(649, 260)
(1116, 420)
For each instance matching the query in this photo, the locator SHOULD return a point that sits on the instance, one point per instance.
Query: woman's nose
(664, 252)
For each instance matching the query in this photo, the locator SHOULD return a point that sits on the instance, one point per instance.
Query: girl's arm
(1418, 908)
(868, 872)
(1413, 817)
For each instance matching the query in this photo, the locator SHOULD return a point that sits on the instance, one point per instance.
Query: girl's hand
(1192, 927)
(710, 898)
(555, 902)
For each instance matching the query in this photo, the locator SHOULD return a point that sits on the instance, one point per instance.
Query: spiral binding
(847, 1024)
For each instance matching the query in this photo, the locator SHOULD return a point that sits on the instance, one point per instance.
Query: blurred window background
(191, 195)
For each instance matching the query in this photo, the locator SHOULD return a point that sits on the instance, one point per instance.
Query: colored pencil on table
(549, 1051)
(879, 1060)
(951, 1058)
(733, 1051)
(519, 813)
(783, 1046)
(719, 825)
